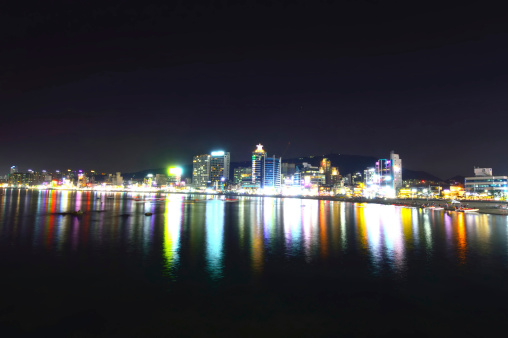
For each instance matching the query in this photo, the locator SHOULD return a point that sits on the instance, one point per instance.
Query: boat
(467, 210)
(230, 200)
(77, 213)
(148, 214)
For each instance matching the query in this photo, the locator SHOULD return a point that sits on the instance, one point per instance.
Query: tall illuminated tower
(326, 168)
(396, 166)
(258, 160)
(200, 170)
(219, 166)
(272, 173)
(389, 173)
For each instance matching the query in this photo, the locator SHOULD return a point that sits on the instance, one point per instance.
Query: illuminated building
(219, 167)
(258, 157)
(200, 171)
(311, 176)
(388, 174)
(272, 173)
(356, 178)
(335, 176)
(266, 171)
(396, 164)
(326, 169)
(383, 176)
(243, 175)
(484, 183)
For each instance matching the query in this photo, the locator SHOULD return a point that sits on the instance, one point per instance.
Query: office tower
(200, 171)
(258, 157)
(219, 166)
(326, 169)
(266, 171)
(383, 177)
(389, 173)
(14, 169)
(272, 173)
(396, 164)
(369, 176)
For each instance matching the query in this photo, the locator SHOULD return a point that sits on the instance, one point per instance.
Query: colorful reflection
(200, 234)
(172, 228)
(215, 238)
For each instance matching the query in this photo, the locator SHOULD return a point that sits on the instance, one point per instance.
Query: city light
(175, 171)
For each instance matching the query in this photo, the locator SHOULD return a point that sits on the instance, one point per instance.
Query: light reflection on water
(205, 233)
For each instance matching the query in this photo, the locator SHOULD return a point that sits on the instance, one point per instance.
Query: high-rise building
(258, 157)
(219, 166)
(200, 171)
(272, 173)
(14, 169)
(369, 176)
(396, 163)
(326, 169)
(383, 177)
(389, 173)
(266, 171)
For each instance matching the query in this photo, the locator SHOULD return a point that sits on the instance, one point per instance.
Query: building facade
(200, 171)
(219, 167)
(242, 175)
(272, 173)
(396, 165)
(258, 158)
(484, 183)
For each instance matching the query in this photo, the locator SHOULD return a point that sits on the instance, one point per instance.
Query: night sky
(119, 86)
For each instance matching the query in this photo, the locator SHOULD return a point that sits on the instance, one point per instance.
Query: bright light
(218, 153)
(175, 171)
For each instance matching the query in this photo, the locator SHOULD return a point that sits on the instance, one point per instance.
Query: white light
(218, 153)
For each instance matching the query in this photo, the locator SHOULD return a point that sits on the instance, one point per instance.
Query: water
(258, 266)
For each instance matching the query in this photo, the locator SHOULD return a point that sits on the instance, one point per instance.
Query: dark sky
(128, 86)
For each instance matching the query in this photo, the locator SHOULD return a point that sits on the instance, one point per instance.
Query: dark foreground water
(256, 267)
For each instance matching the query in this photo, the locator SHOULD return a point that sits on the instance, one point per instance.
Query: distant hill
(408, 174)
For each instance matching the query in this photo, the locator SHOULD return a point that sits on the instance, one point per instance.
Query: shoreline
(485, 207)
